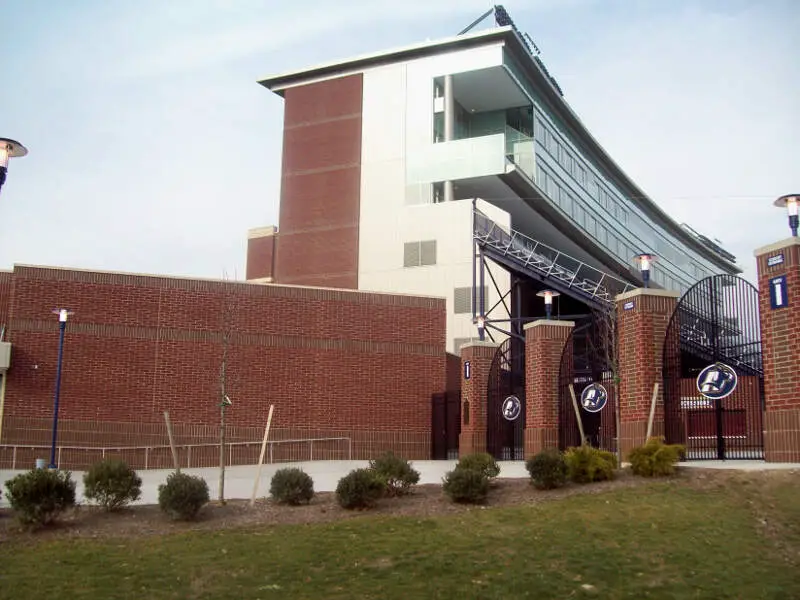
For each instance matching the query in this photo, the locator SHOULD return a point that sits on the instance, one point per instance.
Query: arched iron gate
(586, 360)
(505, 438)
(715, 331)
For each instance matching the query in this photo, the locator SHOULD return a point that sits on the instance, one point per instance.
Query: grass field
(673, 540)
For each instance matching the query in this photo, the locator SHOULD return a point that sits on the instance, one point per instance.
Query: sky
(153, 149)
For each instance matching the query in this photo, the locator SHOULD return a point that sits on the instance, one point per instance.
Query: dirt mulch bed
(425, 501)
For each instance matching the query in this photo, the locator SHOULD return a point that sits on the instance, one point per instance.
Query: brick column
(780, 338)
(643, 316)
(474, 395)
(544, 345)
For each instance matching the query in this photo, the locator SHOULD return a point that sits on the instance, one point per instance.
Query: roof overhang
(278, 83)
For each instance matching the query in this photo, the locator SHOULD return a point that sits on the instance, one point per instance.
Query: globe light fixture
(645, 261)
(9, 149)
(548, 296)
(790, 201)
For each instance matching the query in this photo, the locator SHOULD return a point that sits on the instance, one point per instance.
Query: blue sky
(153, 149)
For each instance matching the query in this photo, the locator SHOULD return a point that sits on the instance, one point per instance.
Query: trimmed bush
(39, 496)
(112, 484)
(548, 470)
(182, 496)
(481, 462)
(396, 472)
(360, 488)
(655, 458)
(586, 464)
(291, 486)
(469, 486)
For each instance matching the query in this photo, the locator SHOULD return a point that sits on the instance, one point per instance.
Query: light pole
(790, 201)
(9, 149)
(548, 296)
(645, 261)
(62, 313)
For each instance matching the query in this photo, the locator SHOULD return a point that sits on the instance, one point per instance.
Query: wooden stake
(577, 413)
(652, 412)
(261, 457)
(172, 442)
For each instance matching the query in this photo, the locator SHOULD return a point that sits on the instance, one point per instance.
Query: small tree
(230, 302)
(605, 319)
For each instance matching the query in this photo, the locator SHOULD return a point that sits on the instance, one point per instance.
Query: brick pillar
(643, 316)
(780, 338)
(544, 345)
(474, 395)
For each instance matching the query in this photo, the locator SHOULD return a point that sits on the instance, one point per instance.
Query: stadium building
(456, 168)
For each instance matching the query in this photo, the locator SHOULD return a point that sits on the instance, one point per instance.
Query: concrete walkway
(326, 474)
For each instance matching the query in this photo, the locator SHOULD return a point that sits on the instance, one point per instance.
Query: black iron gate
(586, 360)
(713, 376)
(446, 425)
(505, 416)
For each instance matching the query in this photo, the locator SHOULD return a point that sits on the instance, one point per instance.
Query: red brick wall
(641, 331)
(5, 296)
(780, 335)
(329, 360)
(455, 372)
(320, 184)
(260, 257)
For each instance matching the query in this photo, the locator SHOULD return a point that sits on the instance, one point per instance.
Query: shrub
(655, 458)
(587, 464)
(360, 488)
(291, 486)
(482, 462)
(397, 473)
(112, 484)
(548, 470)
(182, 496)
(466, 485)
(41, 495)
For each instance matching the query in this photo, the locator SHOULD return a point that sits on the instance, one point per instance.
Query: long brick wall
(333, 362)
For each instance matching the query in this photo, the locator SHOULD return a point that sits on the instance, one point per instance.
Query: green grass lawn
(662, 540)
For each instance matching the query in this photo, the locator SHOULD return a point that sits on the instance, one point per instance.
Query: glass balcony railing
(520, 150)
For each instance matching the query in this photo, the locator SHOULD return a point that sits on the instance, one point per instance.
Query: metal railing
(549, 262)
(183, 449)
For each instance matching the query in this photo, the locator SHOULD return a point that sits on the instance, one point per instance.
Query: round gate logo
(717, 381)
(512, 407)
(594, 398)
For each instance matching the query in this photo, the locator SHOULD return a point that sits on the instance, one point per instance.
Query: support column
(449, 127)
(779, 312)
(545, 343)
(476, 361)
(643, 316)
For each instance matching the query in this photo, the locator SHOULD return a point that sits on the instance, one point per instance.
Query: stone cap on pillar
(479, 344)
(548, 322)
(787, 243)
(544, 329)
(478, 348)
(647, 292)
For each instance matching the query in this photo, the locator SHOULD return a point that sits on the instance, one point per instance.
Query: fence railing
(190, 455)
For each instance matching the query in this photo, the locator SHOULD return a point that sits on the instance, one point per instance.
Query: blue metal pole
(62, 327)
(793, 223)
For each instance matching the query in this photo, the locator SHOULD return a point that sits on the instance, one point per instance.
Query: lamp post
(62, 313)
(548, 296)
(790, 201)
(9, 149)
(645, 261)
